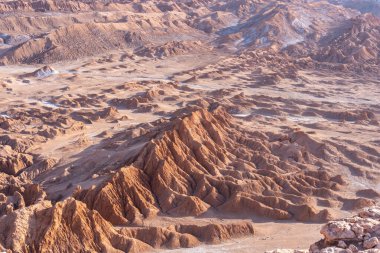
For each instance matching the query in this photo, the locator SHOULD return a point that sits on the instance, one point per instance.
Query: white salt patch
(241, 115)
(48, 104)
(197, 86)
(148, 79)
(305, 119)
(291, 41)
(46, 73)
(45, 103)
(302, 24)
(5, 116)
(231, 246)
(264, 42)
(237, 43)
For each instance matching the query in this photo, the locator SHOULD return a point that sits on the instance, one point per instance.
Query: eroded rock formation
(204, 161)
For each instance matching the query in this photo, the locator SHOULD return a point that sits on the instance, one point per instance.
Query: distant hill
(364, 6)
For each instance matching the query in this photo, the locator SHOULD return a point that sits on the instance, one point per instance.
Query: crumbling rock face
(16, 194)
(17, 144)
(37, 168)
(204, 161)
(67, 226)
(126, 197)
(360, 233)
(73, 226)
(11, 162)
(70, 226)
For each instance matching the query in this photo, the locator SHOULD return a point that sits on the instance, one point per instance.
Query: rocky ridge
(251, 173)
(360, 233)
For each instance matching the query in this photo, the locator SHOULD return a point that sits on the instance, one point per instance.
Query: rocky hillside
(358, 41)
(326, 32)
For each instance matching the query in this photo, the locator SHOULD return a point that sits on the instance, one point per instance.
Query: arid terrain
(190, 126)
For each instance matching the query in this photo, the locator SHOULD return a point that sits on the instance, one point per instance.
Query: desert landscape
(190, 126)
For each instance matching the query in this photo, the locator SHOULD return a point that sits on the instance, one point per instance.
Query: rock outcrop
(11, 162)
(203, 161)
(360, 233)
(65, 227)
(70, 226)
(16, 194)
(43, 72)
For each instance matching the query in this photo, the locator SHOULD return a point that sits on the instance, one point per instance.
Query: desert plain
(189, 126)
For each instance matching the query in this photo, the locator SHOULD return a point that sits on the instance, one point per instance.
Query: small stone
(353, 248)
(314, 248)
(371, 243)
(333, 250)
(8, 209)
(371, 212)
(18, 200)
(342, 244)
(3, 198)
(358, 230)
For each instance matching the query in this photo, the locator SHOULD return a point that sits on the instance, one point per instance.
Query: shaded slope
(65, 44)
(357, 41)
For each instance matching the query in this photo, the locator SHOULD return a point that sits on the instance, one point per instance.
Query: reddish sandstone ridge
(197, 163)
(70, 226)
(126, 197)
(204, 161)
